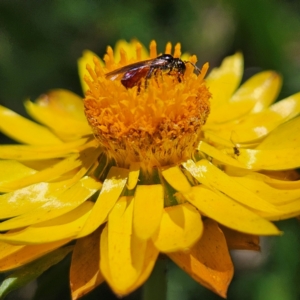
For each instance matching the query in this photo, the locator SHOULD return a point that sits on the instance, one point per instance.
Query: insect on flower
(133, 74)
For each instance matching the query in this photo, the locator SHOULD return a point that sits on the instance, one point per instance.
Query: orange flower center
(155, 123)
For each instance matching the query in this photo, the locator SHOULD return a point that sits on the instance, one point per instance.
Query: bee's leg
(139, 87)
(180, 76)
(149, 75)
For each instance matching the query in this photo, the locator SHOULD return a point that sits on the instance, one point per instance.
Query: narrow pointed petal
(212, 177)
(26, 254)
(85, 273)
(208, 261)
(86, 58)
(24, 130)
(180, 228)
(229, 213)
(112, 188)
(148, 209)
(223, 81)
(240, 241)
(63, 227)
(134, 173)
(176, 179)
(36, 152)
(64, 125)
(57, 204)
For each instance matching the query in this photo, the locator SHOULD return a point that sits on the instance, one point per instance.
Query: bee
(132, 75)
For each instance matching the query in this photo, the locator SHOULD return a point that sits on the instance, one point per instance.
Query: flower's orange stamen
(156, 126)
(168, 49)
(177, 50)
(107, 60)
(98, 68)
(110, 53)
(203, 71)
(153, 49)
(138, 49)
(123, 57)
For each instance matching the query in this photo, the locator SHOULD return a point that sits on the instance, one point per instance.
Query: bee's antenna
(197, 71)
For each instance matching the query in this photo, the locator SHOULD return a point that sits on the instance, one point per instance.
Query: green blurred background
(40, 42)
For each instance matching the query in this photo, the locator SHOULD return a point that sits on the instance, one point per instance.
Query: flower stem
(156, 285)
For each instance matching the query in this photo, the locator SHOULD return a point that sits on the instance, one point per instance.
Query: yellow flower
(160, 176)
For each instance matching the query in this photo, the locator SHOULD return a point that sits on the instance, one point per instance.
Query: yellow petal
(12, 170)
(148, 209)
(276, 183)
(130, 49)
(286, 211)
(125, 251)
(63, 102)
(123, 271)
(223, 81)
(277, 159)
(229, 213)
(262, 89)
(51, 173)
(264, 85)
(208, 261)
(24, 130)
(134, 173)
(286, 136)
(209, 175)
(27, 199)
(86, 58)
(58, 203)
(65, 126)
(176, 179)
(25, 254)
(260, 124)
(85, 274)
(36, 152)
(111, 190)
(139, 250)
(240, 241)
(150, 258)
(9, 249)
(56, 170)
(180, 228)
(219, 155)
(267, 192)
(63, 227)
